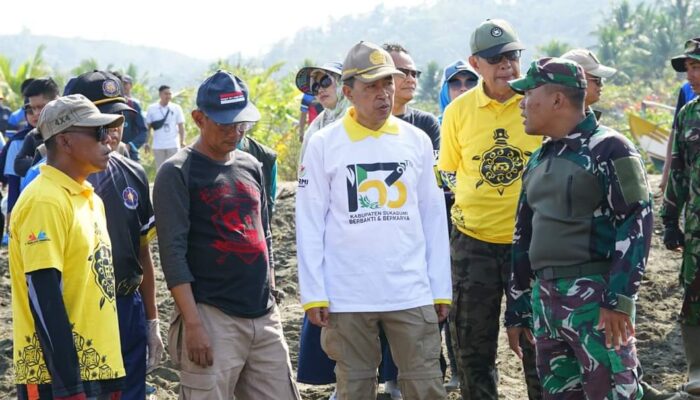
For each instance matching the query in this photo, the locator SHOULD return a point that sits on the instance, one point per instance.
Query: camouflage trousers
(690, 280)
(572, 359)
(480, 273)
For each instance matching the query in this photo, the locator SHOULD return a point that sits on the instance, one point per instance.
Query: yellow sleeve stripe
(442, 301)
(315, 304)
(148, 236)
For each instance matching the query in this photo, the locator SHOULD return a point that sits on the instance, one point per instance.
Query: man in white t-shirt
(167, 122)
(372, 237)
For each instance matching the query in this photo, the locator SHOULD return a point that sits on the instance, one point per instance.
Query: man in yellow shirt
(66, 335)
(482, 155)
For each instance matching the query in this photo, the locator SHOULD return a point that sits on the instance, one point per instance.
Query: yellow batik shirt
(59, 223)
(485, 143)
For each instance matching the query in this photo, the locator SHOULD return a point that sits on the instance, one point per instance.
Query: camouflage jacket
(683, 187)
(620, 223)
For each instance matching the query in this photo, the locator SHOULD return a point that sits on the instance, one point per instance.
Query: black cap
(102, 88)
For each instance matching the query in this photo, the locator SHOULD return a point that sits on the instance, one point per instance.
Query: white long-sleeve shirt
(370, 220)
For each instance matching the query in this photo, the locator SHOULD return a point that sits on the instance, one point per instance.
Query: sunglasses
(509, 55)
(325, 82)
(458, 84)
(410, 72)
(100, 134)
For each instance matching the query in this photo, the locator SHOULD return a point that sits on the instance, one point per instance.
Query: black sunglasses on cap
(100, 133)
(513, 55)
(325, 82)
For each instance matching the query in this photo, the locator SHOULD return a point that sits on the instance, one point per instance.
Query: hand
(155, 345)
(618, 327)
(514, 333)
(147, 148)
(199, 349)
(318, 316)
(673, 236)
(442, 310)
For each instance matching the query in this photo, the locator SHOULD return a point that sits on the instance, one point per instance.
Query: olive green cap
(494, 37)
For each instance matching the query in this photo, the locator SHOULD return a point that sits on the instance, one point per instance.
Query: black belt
(573, 271)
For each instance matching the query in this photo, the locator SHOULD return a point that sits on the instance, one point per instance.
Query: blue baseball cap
(457, 67)
(225, 99)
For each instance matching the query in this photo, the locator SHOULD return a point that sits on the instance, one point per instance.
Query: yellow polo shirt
(485, 143)
(59, 223)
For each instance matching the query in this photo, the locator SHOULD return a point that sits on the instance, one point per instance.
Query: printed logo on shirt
(376, 192)
(36, 238)
(131, 198)
(102, 267)
(237, 220)
(231, 97)
(501, 165)
(302, 180)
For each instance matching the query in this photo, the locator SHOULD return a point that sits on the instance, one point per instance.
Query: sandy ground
(659, 343)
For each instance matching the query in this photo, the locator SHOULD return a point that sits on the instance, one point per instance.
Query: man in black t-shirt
(123, 187)
(213, 231)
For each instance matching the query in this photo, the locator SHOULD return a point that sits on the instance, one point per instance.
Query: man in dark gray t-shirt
(213, 232)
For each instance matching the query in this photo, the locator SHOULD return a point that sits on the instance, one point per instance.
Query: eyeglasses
(238, 127)
(325, 82)
(509, 55)
(29, 110)
(595, 79)
(458, 84)
(410, 72)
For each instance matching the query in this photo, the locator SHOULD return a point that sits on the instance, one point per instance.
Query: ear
(63, 142)
(198, 118)
(473, 62)
(559, 101)
(347, 92)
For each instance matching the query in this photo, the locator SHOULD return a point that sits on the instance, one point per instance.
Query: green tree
(553, 48)
(11, 81)
(429, 85)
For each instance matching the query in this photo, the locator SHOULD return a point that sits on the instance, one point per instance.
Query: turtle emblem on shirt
(501, 165)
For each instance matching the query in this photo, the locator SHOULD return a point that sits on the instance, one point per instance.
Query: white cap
(589, 62)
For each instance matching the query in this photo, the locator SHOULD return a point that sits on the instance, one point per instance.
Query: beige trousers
(352, 340)
(251, 358)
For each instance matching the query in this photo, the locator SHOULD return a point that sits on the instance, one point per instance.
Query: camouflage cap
(553, 70)
(692, 50)
(494, 37)
(368, 62)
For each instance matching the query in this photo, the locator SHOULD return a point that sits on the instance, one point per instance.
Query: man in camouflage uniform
(682, 190)
(587, 186)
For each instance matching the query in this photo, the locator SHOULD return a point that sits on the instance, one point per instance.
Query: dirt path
(658, 336)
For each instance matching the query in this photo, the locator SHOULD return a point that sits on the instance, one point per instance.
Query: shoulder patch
(632, 179)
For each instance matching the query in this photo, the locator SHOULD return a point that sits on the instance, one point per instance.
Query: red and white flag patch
(231, 97)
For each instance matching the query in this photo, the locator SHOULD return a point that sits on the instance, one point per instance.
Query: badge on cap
(376, 57)
(231, 97)
(496, 32)
(110, 88)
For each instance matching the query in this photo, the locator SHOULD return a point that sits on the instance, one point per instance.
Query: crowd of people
(408, 226)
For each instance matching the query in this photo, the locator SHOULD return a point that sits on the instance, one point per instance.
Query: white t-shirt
(371, 221)
(167, 136)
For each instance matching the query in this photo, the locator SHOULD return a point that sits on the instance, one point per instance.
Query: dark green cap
(494, 37)
(692, 50)
(558, 71)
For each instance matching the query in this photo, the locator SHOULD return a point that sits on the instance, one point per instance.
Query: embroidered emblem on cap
(110, 88)
(496, 32)
(131, 198)
(231, 97)
(376, 57)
